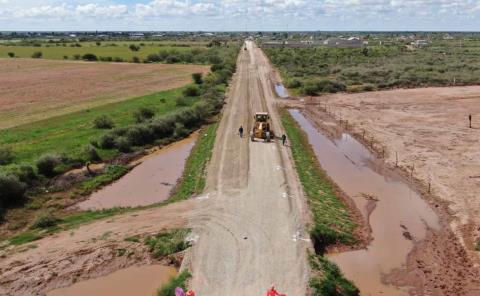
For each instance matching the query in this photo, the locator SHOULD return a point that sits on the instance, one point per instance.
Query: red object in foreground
(273, 292)
(190, 293)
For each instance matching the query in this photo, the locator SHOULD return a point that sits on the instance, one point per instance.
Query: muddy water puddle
(399, 217)
(135, 280)
(281, 90)
(149, 182)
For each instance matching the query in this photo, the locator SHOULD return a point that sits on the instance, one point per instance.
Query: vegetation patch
(112, 173)
(332, 221)
(322, 69)
(178, 281)
(168, 243)
(328, 280)
(193, 180)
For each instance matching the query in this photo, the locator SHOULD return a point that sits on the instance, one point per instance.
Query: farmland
(316, 70)
(33, 90)
(117, 49)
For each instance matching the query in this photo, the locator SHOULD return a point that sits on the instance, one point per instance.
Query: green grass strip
(178, 281)
(332, 222)
(193, 180)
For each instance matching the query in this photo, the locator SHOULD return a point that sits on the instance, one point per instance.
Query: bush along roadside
(332, 223)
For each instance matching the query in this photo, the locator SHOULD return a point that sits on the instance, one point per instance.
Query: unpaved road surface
(251, 234)
(34, 89)
(427, 129)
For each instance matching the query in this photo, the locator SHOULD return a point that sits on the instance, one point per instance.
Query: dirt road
(251, 234)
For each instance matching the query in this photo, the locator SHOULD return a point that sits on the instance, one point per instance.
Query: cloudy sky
(252, 15)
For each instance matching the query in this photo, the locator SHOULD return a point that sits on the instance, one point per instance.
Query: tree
(365, 51)
(197, 78)
(134, 47)
(37, 55)
(89, 57)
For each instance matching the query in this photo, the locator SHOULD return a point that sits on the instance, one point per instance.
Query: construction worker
(284, 139)
(240, 131)
(273, 292)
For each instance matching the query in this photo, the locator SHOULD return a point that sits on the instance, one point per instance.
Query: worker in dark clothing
(284, 139)
(240, 131)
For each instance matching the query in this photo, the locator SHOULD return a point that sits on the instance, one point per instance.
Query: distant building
(420, 43)
(447, 37)
(352, 42)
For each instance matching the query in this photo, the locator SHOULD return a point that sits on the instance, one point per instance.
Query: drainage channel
(281, 90)
(398, 217)
(151, 181)
(135, 280)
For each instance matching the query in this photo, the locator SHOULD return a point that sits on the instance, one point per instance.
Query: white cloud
(309, 12)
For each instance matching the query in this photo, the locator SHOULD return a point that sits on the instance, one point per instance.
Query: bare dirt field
(428, 130)
(37, 89)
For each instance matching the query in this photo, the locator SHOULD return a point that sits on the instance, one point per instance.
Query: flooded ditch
(151, 181)
(281, 90)
(397, 215)
(135, 280)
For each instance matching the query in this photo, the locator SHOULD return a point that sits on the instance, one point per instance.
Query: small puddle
(281, 90)
(399, 216)
(149, 182)
(135, 280)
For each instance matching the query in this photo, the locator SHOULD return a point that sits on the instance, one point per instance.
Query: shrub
(103, 122)
(134, 47)
(178, 281)
(180, 130)
(89, 57)
(107, 141)
(6, 156)
(45, 220)
(25, 173)
(11, 54)
(181, 101)
(118, 60)
(76, 57)
(153, 58)
(37, 55)
(12, 190)
(139, 135)
(162, 128)
(331, 282)
(65, 57)
(136, 60)
(167, 243)
(173, 60)
(197, 78)
(46, 164)
(143, 114)
(91, 153)
(216, 67)
(123, 144)
(191, 91)
(323, 237)
(293, 83)
(105, 59)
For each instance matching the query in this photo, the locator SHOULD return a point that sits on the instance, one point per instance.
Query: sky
(240, 15)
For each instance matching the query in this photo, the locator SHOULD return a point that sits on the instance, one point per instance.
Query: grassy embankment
(331, 221)
(318, 70)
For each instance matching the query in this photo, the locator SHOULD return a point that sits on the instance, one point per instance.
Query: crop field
(32, 90)
(316, 70)
(119, 50)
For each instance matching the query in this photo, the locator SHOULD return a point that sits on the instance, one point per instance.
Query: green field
(317, 70)
(105, 49)
(70, 133)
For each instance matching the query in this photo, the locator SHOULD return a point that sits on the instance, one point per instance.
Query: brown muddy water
(149, 182)
(135, 280)
(400, 216)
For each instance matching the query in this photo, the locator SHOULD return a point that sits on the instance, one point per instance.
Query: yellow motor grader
(262, 127)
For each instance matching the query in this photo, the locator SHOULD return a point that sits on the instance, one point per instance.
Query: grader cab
(262, 127)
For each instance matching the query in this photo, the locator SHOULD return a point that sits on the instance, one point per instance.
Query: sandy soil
(428, 130)
(32, 89)
(252, 234)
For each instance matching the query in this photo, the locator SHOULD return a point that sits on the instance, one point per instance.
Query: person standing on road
(240, 131)
(284, 139)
